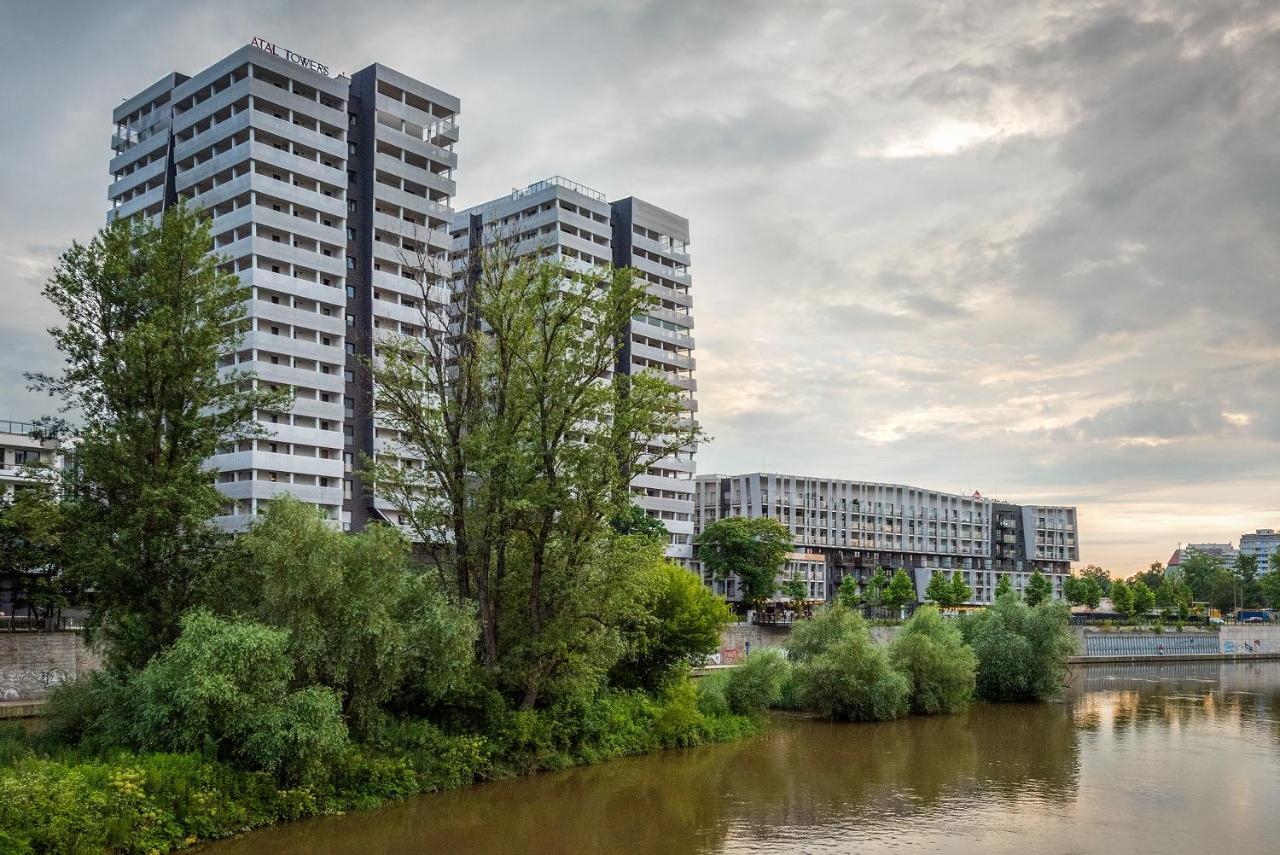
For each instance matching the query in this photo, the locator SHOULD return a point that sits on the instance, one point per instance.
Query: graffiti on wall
(22, 683)
(1252, 645)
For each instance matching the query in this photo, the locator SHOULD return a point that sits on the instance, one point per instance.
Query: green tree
(941, 668)
(828, 627)
(874, 591)
(1224, 590)
(34, 540)
(1038, 590)
(1151, 577)
(357, 619)
(1100, 576)
(939, 590)
(1121, 597)
(147, 319)
(529, 440)
(1144, 599)
(634, 520)
(1200, 571)
(1022, 650)
(847, 595)
(681, 625)
(901, 590)
(1082, 591)
(1004, 588)
(751, 548)
(1270, 582)
(960, 592)
(1173, 594)
(1249, 590)
(795, 590)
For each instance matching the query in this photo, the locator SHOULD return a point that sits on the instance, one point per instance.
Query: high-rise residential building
(859, 528)
(324, 193)
(580, 227)
(1262, 543)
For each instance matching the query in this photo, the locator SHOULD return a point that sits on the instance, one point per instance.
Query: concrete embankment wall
(31, 663)
(740, 638)
(1231, 642)
(1242, 641)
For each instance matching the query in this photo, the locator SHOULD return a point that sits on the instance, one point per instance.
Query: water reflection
(1172, 758)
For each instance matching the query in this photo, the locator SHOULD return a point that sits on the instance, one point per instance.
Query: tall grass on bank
(55, 799)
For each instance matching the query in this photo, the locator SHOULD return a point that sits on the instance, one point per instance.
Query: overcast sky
(1030, 251)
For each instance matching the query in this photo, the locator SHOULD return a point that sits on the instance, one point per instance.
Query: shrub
(143, 803)
(815, 636)
(841, 673)
(222, 689)
(95, 713)
(853, 681)
(1022, 650)
(941, 668)
(681, 623)
(755, 684)
(358, 620)
(711, 694)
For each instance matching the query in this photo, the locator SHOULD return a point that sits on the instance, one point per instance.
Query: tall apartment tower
(320, 189)
(577, 225)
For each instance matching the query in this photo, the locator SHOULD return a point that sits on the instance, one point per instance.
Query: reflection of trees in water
(820, 771)
(1132, 698)
(801, 773)
(668, 802)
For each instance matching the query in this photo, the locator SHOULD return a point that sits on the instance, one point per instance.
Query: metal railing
(24, 428)
(24, 623)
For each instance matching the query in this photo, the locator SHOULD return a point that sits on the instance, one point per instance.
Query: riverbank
(54, 799)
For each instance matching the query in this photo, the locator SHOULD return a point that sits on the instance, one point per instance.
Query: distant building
(20, 454)
(859, 528)
(1262, 543)
(19, 451)
(1225, 551)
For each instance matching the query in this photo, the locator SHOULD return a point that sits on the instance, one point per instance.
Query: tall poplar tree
(147, 315)
(528, 439)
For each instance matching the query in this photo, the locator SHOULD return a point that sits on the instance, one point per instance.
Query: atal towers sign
(285, 53)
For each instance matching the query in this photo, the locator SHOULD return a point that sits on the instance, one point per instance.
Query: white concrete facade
(1263, 544)
(22, 456)
(302, 211)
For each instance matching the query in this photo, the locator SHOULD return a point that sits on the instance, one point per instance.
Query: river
(1177, 759)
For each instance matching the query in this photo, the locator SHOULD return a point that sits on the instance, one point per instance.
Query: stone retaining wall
(31, 663)
(1249, 638)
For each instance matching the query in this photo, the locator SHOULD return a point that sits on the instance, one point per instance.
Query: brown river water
(1180, 759)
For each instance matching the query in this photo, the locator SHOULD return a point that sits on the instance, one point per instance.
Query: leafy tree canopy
(751, 548)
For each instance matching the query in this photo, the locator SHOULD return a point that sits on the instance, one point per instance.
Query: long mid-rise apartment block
(324, 193)
(859, 528)
(583, 229)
